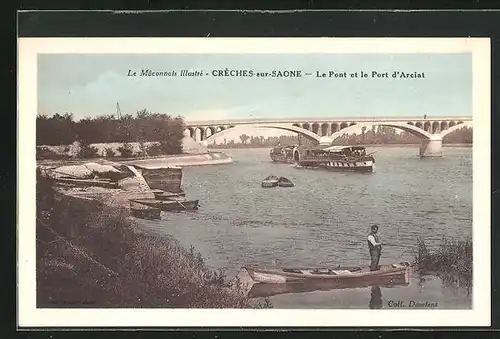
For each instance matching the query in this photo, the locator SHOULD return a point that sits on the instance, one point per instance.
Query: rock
(75, 171)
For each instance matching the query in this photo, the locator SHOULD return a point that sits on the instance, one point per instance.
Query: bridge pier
(432, 147)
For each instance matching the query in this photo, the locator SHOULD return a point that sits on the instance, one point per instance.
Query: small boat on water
(394, 272)
(285, 182)
(270, 181)
(163, 195)
(173, 204)
(144, 212)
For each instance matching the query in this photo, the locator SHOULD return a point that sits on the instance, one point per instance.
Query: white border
(28, 315)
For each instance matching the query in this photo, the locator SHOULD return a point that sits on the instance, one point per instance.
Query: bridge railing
(199, 123)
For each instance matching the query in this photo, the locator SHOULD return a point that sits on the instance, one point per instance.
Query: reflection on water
(375, 298)
(265, 290)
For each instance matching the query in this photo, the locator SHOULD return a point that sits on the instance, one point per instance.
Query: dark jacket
(370, 245)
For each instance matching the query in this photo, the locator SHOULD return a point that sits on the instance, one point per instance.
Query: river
(325, 218)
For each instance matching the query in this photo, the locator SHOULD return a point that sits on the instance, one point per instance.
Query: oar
(180, 204)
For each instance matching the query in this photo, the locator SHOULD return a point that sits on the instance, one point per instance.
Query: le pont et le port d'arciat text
(248, 73)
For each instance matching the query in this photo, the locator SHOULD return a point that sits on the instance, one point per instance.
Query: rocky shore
(212, 158)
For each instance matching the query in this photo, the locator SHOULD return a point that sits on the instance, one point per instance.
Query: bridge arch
(402, 126)
(435, 127)
(291, 128)
(453, 128)
(325, 129)
(315, 128)
(209, 131)
(191, 131)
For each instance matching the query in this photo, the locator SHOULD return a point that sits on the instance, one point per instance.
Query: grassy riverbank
(451, 261)
(93, 255)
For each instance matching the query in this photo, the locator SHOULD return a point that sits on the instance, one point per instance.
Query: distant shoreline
(415, 145)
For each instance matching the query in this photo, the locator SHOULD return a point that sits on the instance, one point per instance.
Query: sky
(88, 85)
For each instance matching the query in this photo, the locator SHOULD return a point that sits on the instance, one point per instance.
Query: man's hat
(374, 226)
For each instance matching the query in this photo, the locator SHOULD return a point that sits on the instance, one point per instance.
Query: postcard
(260, 182)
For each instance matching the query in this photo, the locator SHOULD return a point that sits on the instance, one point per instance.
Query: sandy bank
(212, 158)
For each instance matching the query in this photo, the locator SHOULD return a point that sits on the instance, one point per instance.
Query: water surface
(325, 218)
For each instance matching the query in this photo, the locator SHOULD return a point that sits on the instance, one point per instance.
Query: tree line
(377, 135)
(247, 141)
(62, 129)
(380, 135)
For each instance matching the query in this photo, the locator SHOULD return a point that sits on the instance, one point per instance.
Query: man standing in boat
(375, 247)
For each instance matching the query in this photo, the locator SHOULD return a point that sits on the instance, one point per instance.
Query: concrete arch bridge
(324, 131)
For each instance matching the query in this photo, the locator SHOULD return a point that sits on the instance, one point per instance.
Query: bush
(45, 153)
(109, 152)
(154, 149)
(126, 150)
(452, 261)
(86, 151)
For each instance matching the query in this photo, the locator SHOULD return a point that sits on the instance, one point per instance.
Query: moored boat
(141, 211)
(163, 195)
(172, 204)
(167, 179)
(285, 182)
(394, 272)
(270, 181)
(341, 158)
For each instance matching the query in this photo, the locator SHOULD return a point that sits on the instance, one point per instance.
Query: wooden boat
(162, 178)
(144, 212)
(394, 272)
(261, 290)
(171, 204)
(285, 182)
(162, 195)
(106, 183)
(270, 181)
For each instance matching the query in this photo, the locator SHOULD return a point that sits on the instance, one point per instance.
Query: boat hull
(323, 159)
(360, 166)
(170, 205)
(168, 195)
(141, 211)
(269, 184)
(166, 179)
(284, 182)
(387, 273)
(262, 290)
(148, 214)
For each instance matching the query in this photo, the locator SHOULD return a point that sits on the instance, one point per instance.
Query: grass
(93, 255)
(451, 261)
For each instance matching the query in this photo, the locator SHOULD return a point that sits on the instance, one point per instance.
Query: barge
(341, 158)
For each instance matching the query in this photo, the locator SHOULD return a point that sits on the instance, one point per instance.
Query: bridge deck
(312, 120)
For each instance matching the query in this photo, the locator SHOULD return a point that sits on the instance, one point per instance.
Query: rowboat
(284, 182)
(171, 204)
(270, 181)
(144, 212)
(393, 272)
(162, 195)
(261, 290)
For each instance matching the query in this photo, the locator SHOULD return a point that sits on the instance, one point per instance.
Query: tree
(244, 138)
(57, 130)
